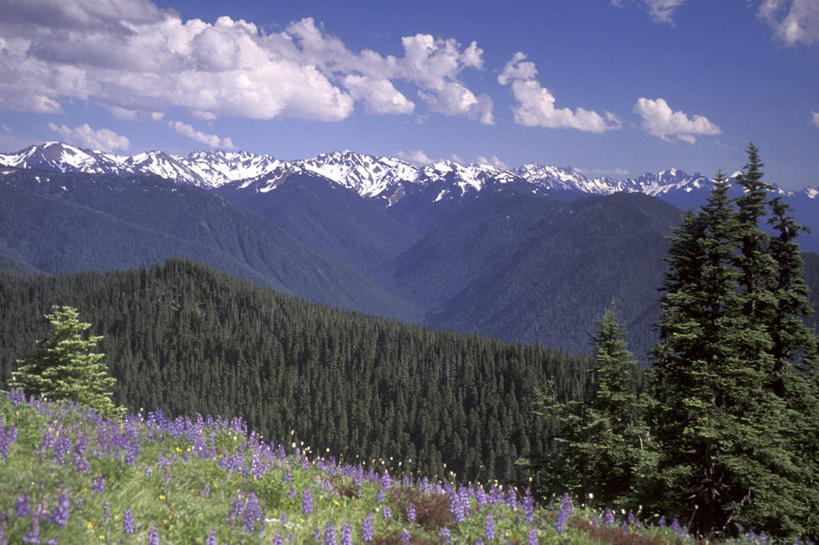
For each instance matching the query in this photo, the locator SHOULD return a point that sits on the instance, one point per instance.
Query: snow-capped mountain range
(369, 176)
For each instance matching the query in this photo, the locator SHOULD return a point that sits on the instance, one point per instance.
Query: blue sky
(609, 87)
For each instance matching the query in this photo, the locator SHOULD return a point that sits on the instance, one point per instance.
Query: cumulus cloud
(86, 137)
(793, 21)
(138, 60)
(816, 118)
(379, 95)
(659, 120)
(211, 140)
(493, 161)
(415, 156)
(660, 11)
(536, 104)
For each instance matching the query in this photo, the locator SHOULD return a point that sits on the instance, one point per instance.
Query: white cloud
(816, 118)
(86, 137)
(660, 11)
(211, 140)
(415, 156)
(602, 171)
(793, 21)
(536, 104)
(379, 95)
(123, 113)
(137, 59)
(660, 121)
(493, 161)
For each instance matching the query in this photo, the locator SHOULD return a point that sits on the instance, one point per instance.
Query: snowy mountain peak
(60, 157)
(216, 168)
(368, 175)
(386, 178)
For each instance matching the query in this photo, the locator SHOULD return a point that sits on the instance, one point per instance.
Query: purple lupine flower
(8, 434)
(153, 536)
(565, 513)
(212, 537)
(464, 495)
(22, 508)
(675, 525)
(478, 541)
(252, 512)
(387, 512)
(330, 534)
(445, 534)
(608, 518)
(661, 522)
(346, 534)
(367, 528)
(99, 484)
(624, 527)
(317, 534)
(61, 446)
(411, 513)
(529, 507)
(532, 539)
(457, 508)
(52, 541)
(379, 497)
(235, 511)
(489, 528)
(631, 517)
(59, 515)
(78, 456)
(292, 493)
(277, 540)
(307, 502)
(33, 536)
(386, 481)
(41, 510)
(128, 522)
(283, 518)
(131, 452)
(405, 537)
(205, 492)
(3, 540)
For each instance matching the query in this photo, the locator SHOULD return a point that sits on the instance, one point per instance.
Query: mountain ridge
(376, 177)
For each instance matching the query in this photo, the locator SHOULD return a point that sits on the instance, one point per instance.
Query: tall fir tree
(729, 332)
(65, 368)
(689, 360)
(605, 442)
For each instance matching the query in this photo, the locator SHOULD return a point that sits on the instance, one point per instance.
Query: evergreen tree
(605, 441)
(729, 332)
(64, 366)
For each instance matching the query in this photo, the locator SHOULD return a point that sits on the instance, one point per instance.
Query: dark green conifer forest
(183, 338)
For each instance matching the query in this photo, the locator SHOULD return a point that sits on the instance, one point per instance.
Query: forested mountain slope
(185, 338)
(69, 222)
(518, 266)
(326, 217)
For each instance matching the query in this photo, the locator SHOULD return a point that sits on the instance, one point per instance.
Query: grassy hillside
(70, 477)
